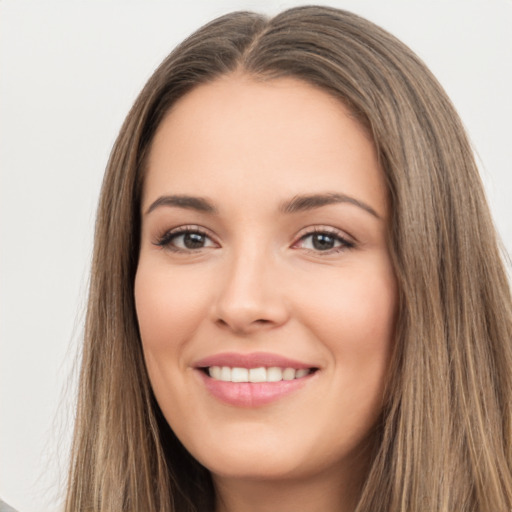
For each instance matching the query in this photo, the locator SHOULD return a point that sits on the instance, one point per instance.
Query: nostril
(241, 325)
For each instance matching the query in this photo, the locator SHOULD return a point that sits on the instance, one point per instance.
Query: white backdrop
(69, 71)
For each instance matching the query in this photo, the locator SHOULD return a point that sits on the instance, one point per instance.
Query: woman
(297, 298)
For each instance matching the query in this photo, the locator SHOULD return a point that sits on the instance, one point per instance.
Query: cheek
(355, 318)
(359, 304)
(168, 305)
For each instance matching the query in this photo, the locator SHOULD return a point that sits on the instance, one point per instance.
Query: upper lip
(252, 360)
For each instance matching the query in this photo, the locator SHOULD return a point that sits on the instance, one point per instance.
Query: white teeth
(225, 373)
(274, 374)
(261, 374)
(258, 375)
(239, 375)
(289, 374)
(215, 372)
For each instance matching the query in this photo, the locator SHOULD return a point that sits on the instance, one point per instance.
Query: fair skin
(264, 236)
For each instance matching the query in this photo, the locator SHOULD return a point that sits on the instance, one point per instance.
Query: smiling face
(263, 247)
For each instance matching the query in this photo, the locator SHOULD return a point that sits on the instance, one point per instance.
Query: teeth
(288, 374)
(225, 373)
(274, 374)
(261, 374)
(239, 374)
(301, 373)
(258, 375)
(216, 372)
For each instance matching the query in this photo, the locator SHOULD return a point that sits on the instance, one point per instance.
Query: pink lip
(248, 394)
(254, 360)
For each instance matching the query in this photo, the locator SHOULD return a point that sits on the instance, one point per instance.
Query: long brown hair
(444, 442)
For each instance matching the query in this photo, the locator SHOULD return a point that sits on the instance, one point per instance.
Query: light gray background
(69, 72)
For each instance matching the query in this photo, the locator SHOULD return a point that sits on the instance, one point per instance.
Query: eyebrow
(182, 201)
(312, 201)
(296, 204)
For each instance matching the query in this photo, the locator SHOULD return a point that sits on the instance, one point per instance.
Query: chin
(268, 455)
(261, 467)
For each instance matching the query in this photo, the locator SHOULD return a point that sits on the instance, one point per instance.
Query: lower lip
(252, 394)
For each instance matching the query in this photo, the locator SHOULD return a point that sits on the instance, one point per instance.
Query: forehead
(239, 137)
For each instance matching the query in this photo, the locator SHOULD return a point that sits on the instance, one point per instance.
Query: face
(265, 293)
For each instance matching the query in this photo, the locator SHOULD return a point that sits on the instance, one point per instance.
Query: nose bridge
(249, 297)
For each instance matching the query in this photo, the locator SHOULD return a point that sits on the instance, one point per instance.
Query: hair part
(445, 435)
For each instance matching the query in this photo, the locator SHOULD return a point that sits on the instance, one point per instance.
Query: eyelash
(344, 243)
(165, 240)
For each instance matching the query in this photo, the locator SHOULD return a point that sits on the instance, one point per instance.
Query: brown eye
(185, 240)
(192, 240)
(324, 241)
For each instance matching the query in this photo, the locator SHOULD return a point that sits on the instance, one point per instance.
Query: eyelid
(347, 241)
(321, 228)
(164, 239)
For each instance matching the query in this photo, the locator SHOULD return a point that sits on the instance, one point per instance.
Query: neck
(329, 493)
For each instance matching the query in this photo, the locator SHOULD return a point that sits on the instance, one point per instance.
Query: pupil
(193, 240)
(323, 242)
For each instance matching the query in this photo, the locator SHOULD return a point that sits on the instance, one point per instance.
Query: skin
(259, 283)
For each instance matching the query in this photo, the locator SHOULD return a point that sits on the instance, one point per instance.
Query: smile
(260, 374)
(253, 380)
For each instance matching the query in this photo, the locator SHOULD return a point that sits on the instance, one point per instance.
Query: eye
(185, 239)
(324, 241)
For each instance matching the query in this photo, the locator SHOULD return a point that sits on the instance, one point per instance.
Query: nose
(250, 298)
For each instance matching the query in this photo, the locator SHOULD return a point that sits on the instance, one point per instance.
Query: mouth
(252, 380)
(255, 375)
